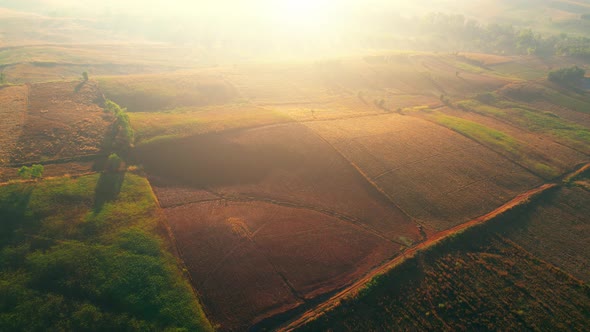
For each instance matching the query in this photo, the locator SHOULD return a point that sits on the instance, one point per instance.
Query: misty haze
(284, 165)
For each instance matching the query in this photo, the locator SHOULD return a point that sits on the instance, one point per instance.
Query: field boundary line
(555, 139)
(488, 148)
(355, 288)
(177, 253)
(368, 179)
(294, 205)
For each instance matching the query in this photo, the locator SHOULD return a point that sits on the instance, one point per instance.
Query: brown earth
(541, 148)
(558, 231)
(481, 284)
(13, 104)
(62, 120)
(336, 301)
(250, 260)
(258, 211)
(441, 182)
(287, 163)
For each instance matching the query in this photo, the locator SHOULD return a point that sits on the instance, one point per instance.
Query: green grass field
(89, 254)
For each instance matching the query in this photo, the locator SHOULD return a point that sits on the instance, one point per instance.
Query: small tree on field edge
(33, 172)
(570, 75)
(85, 76)
(114, 163)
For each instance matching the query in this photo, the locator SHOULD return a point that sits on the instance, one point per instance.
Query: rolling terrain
(406, 190)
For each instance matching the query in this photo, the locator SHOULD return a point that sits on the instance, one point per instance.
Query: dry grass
(435, 175)
(183, 122)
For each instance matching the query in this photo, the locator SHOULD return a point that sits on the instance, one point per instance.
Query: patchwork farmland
(328, 195)
(428, 179)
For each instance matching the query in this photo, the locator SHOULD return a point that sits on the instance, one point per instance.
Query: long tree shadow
(79, 86)
(14, 216)
(107, 189)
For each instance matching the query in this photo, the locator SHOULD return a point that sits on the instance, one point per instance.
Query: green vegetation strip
(499, 142)
(85, 254)
(575, 135)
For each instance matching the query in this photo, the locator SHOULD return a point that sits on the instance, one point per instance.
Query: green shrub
(33, 172)
(114, 163)
(570, 75)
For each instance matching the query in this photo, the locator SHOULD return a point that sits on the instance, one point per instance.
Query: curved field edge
(90, 253)
(440, 239)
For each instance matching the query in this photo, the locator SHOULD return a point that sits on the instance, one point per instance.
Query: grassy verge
(572, 134)
(563, 100)
(87, 254)
(499, 142)
(182, 122)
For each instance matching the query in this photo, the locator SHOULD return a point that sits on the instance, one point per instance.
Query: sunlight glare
(305, 13)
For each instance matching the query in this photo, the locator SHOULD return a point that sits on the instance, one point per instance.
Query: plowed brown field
(287, 163)
(268, 219)
(430, 172)
(250, 260)
(62, 120)
(558, 231)
(13, 104)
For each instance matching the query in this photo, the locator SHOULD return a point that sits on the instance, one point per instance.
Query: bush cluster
(569, 75)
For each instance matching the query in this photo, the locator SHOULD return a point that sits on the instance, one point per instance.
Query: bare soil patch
(13, 104)
(250, 260)
(63, 120)
(287, 163)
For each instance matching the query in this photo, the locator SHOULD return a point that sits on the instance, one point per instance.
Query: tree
(85, 76)
(570, 75)
(2, 78)
(33, 172)
(114, 163)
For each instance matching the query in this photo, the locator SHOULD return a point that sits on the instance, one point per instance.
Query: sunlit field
(284, 165)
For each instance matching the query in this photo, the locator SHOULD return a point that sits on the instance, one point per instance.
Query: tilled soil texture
(250, 260)
(534, 151)
(13, 104)
(432, 173)
(558, 231)
(483, 284)
(63, 120)
(284, 163)
(268, 219)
